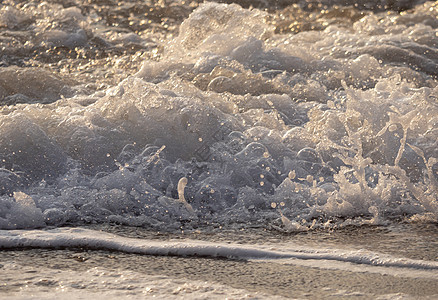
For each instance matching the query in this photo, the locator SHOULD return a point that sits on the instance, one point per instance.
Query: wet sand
(267, 278)
(25, 272)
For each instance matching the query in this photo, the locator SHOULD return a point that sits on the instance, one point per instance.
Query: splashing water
(335, 126)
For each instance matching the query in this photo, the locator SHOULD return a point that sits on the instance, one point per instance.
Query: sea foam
(292, 131)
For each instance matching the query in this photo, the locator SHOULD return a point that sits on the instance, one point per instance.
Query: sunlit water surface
(271, 125)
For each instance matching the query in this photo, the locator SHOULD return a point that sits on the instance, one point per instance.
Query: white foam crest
(22, 213)
(345, 136)
(220, 28)
(132, 115)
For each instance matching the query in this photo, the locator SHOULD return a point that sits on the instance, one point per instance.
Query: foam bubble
(327, 122)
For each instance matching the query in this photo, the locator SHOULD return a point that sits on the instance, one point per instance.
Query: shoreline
(45, 271)
(82, 273)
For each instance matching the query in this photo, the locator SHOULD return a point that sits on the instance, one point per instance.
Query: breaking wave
(256, 124)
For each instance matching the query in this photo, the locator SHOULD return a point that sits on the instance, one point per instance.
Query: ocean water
(295, 138)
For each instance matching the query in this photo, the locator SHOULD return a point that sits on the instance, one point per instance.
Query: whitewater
(277, 134)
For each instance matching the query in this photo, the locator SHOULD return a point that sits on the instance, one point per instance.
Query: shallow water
(140, 263)
(261, 123)
(418, 241)
(79, 274)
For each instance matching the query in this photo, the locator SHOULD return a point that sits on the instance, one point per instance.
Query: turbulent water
(290, 116)
(233, 123)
